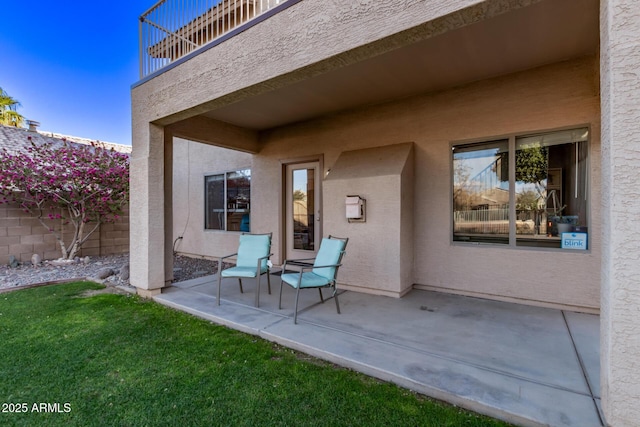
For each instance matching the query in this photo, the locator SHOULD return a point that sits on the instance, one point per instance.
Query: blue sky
(71, 64)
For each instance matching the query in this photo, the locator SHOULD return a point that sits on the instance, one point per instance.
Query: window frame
(512, 138)
(226, 209)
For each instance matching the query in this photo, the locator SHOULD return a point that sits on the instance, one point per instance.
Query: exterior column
(168, 207)
(147, 209)
(620, 294)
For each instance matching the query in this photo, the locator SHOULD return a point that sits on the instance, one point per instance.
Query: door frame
(284, 163)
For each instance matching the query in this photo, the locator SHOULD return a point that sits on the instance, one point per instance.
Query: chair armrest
(311, 267)
(297, 261)
(265, 257)
(326, 266)
(223, 258)
(260, 262)
(302, 261)
(227, 256)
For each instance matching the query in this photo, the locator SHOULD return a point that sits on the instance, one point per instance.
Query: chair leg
(295, 311)
(258, 290)
(280, 299)
(320, 292)
(269, 281)
(240, 283)
(219, 280)
(335, 296)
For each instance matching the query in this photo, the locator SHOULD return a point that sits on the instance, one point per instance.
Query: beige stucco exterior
(381, 248)
(257, 93)
(199, 160)
(620, 91)
(558, 96)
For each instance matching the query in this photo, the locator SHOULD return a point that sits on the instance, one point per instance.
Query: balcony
(304, 59)
(173, 29)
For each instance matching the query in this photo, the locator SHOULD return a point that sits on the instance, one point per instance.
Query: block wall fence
(22, 235)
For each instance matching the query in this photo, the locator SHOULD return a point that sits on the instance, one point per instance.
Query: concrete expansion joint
(583, 368)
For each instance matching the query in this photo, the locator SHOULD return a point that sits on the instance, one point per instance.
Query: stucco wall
(192, 162)
(320, 37)
(552, 97)
(379, 253)
(620, 334)
(556, 96)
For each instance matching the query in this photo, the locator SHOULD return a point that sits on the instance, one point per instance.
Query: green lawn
(124, 361)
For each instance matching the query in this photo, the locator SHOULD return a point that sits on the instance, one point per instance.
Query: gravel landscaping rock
(112, 270)
(105, 272)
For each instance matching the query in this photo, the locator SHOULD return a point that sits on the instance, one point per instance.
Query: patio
(526, 365)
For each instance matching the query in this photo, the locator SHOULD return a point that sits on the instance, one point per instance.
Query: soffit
(547, 32)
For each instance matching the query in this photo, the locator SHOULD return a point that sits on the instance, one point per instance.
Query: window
(481, 192)
(524, 191)
(228, 201)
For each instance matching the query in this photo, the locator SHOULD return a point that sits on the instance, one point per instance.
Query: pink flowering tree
(70, 188)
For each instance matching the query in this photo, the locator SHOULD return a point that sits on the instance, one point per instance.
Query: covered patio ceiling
(546, 32)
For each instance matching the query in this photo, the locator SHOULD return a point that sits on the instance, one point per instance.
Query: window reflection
(228, 201)
(303, 209)
(481, 192)
(550, 190)
(551, 187)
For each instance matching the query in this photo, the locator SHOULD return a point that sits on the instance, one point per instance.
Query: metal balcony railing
(172, 29)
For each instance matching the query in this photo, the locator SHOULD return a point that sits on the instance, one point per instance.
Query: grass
(116, 360)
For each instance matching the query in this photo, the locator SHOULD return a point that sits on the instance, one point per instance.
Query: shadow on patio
(527, 365)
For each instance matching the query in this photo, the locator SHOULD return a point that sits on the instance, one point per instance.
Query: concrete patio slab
(526, 365)
(585, 330)
(534, 342)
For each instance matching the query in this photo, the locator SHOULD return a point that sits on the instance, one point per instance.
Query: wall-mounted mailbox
(355, 208)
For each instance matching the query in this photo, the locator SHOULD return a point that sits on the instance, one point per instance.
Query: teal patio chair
(251, 262)
(322, 274)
